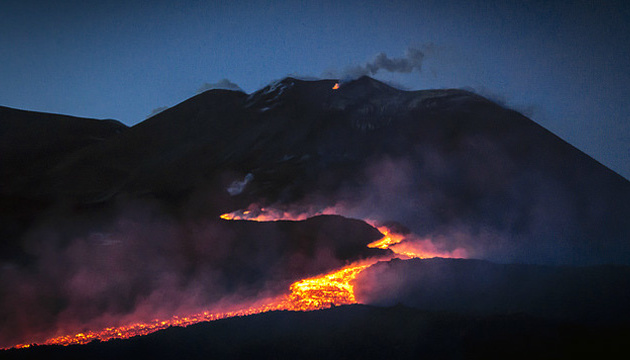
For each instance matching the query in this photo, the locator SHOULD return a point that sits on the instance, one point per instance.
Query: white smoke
(411, 61)
(237, 187)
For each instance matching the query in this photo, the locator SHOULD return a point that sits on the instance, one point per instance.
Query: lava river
(309, 294)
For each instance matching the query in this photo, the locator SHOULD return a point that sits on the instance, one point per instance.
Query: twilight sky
(565, 64)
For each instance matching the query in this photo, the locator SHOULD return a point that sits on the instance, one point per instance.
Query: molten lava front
(324, 291)
(389, 238)
(309, 294)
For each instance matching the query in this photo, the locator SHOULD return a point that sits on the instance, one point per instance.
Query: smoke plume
(411, 61)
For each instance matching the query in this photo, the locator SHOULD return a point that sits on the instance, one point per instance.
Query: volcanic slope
(32, 141)
(127, 224)
(449, 164)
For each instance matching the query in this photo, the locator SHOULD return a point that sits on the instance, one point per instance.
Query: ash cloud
(224, 84)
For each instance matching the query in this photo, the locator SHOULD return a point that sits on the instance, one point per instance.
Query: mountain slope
(31, 141)
(120, 225)
(450, 165)
(32, 144)
(595, 295)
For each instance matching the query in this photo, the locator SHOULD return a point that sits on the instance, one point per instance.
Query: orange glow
(309, 294)
(131, 330)
(262, 214)
(336, 86)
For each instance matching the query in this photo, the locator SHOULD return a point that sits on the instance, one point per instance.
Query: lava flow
(306, 295)
(315, 293)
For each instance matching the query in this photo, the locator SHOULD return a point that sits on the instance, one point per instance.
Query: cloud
(224, 84)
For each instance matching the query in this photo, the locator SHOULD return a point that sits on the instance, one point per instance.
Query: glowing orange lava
(336, 86)
(324, 291)
(388, 239)
(262, 214)
(314, 293)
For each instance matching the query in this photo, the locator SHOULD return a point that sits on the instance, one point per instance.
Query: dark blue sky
(566, 64)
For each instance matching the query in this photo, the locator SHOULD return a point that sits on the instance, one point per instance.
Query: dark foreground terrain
(358, 332)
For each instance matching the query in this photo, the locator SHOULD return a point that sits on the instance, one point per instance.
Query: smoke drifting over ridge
(156, 111)
(224, 84)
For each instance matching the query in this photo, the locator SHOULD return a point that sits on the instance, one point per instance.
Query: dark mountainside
(102, 222)
(32, 141)
(32, 144)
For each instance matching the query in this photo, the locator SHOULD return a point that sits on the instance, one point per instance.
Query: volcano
(104, 225)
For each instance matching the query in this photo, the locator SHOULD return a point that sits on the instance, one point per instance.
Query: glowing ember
(305, 295)
(336, 86)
